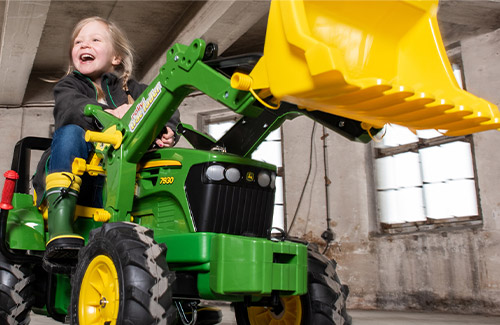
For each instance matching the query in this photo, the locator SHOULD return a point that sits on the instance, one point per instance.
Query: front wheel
(323, 304)
(122, 277)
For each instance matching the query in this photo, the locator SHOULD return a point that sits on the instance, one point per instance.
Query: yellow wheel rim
(291, 314)
(99, 296)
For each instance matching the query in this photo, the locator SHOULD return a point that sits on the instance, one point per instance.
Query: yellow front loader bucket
(373, 61)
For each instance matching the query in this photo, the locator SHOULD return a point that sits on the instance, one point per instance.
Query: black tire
(323, 304)
(326, 295)
(140, 291)
(16, 293)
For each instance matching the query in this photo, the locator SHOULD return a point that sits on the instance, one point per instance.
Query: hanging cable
(306, 181)
(182, 314)
(328, 234)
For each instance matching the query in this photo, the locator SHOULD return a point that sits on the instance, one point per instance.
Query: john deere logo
(250, 177)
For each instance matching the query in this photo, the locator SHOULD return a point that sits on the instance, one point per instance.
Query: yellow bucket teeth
(374, 61)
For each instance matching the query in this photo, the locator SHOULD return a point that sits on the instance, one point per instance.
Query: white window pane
(457, 72)
(396, 135)
(270, 152)
(278, 217)
(433, 165)
(405, 136)
(278, 198)
(217, 130)
(458, 160)
(385, 176)
(274, 136)
(388, 208)
(411, 204)
(437, 201)
(407, 169)
(428, 134)
(463, 193)
(389, 139)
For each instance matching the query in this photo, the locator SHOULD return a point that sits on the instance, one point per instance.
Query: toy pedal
(64, 248)
(208, 315)
(61, 254)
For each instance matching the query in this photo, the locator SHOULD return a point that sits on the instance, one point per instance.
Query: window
(424, 180)
(216, 123)
(270, 151)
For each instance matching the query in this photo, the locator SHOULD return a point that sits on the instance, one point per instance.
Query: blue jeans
(69, 143)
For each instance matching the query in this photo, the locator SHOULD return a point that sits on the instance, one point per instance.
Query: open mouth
(87, 57)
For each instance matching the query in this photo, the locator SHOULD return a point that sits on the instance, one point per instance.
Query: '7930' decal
(166, 180)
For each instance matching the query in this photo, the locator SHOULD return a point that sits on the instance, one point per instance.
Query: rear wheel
(16, 293)
(323, 304)
(122, 277)
(326, 296)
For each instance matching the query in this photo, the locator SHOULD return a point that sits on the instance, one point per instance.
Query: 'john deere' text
(142, 108)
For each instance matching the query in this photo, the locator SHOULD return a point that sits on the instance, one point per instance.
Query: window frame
(429, 224)
(203, 119)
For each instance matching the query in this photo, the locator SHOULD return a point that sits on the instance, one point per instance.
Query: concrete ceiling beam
(221, 22)
(21, 32)
(236, 21)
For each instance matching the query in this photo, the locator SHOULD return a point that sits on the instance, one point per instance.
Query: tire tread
(143, 265)
(16, 293)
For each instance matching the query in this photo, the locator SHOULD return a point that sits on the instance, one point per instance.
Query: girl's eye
(96, 40)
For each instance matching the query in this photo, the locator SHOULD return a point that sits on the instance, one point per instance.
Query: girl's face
(93, 53)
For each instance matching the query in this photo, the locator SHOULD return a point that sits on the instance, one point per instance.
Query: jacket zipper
(109, 94)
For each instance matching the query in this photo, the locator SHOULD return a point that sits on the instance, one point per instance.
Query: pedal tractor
(212, 206)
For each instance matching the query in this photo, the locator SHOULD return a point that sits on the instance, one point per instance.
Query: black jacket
(73, 92)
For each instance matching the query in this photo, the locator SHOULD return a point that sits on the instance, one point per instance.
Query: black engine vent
(231, 199)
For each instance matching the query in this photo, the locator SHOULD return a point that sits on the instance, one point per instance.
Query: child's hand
(167, 139)
(119, 111)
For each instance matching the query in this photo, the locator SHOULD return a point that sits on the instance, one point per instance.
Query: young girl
(99, 74)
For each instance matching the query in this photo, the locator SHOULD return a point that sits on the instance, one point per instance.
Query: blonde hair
(121, 46)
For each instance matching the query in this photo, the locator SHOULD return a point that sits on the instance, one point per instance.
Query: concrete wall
(18, 123)
(32, 119)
